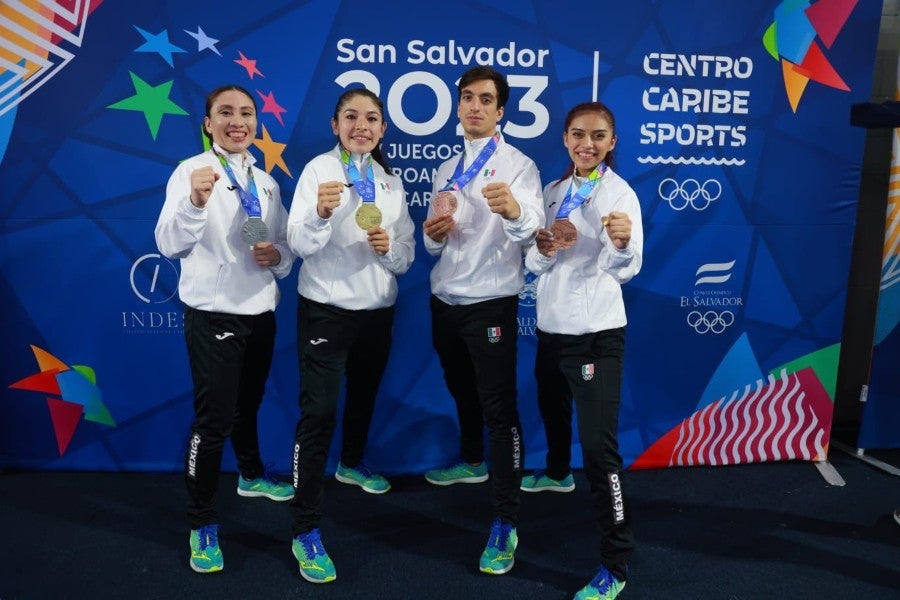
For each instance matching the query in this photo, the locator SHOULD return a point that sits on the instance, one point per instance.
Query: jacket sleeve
(279, 219)
(307, 232)
(403, 245)
(181, 224)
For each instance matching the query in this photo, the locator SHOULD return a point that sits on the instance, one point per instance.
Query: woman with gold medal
(350, 224)
(591, 246)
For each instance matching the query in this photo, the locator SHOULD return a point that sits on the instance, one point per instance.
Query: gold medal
(444, 204)
(564, 234)
(368, 215)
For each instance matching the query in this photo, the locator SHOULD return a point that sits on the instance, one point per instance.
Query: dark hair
(361, 91)
(484, 72)
(211, 99)
(585, 108)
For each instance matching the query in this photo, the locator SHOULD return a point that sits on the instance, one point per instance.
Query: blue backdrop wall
(733, 126)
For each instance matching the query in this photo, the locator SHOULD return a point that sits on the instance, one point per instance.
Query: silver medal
(254, 230)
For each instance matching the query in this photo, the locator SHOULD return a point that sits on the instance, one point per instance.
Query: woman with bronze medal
(350, 224)
(224, 220)
(591, 246)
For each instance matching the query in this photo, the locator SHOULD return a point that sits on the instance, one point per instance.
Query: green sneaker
(499, 554)
(206, 556)
(363, 477)
(539, 482)
(461, 472)
(604, 586)
(265, 486)
(315, 564)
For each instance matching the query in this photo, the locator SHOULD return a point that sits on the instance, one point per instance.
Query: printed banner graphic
(735, 138)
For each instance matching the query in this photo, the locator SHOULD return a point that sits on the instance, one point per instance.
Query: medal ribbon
(460, 178)
(365, 187)
(249, 200)
(571, 202)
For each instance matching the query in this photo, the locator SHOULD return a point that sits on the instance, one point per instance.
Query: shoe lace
(312, 543)
(209, 536)
(499, 534)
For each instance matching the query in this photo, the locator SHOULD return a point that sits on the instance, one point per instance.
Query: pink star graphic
(270, 106)
(250, 65)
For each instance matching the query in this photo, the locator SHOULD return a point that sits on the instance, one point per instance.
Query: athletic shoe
(265, 486)
(604, 586)
(539, 482)
(363, 477)
(315, 564)
(206, 556)
(461, 472)
(499, 554)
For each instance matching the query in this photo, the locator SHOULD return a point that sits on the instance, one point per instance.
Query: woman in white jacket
(591, 245)
(224, 219)
(350, 224)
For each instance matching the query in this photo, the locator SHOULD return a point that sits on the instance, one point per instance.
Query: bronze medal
(564, 234)
(254, 230)
(444, 203)
(368, 215)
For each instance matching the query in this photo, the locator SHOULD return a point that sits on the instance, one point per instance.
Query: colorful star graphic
(77, 385)
(272, 151)
(204, 42)
(158, 43)
(152, 101)
(270, 106)
(792, 38)
(250, 65)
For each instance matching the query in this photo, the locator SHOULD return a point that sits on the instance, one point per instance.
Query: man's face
(477, 109)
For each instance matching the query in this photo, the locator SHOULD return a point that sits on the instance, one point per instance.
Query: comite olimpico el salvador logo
(713, 309)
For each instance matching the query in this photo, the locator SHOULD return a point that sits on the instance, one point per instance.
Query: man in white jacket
(486, 208)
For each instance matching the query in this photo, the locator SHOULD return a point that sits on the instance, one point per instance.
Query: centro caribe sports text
(716, 100)
(452, 53)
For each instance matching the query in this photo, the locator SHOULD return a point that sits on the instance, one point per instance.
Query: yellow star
(272, 152)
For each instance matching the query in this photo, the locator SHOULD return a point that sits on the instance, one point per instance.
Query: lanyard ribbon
(249, 199)
(365, 187)
(572, 202)
(460, 178)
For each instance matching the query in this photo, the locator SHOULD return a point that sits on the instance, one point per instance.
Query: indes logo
(791, 38)
(78, 393)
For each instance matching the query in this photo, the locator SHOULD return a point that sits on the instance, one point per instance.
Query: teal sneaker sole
(364, 487)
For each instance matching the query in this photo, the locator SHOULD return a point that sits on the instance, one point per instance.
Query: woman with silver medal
(592, 245)
(350, 224)
(224, 220)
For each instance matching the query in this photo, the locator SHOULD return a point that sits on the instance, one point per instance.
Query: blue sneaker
(539, 482)
(604, 586)
(265, 486)
(206, 556)
(461, 472)
(315, 564)
(363, 477)
(499, 554)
